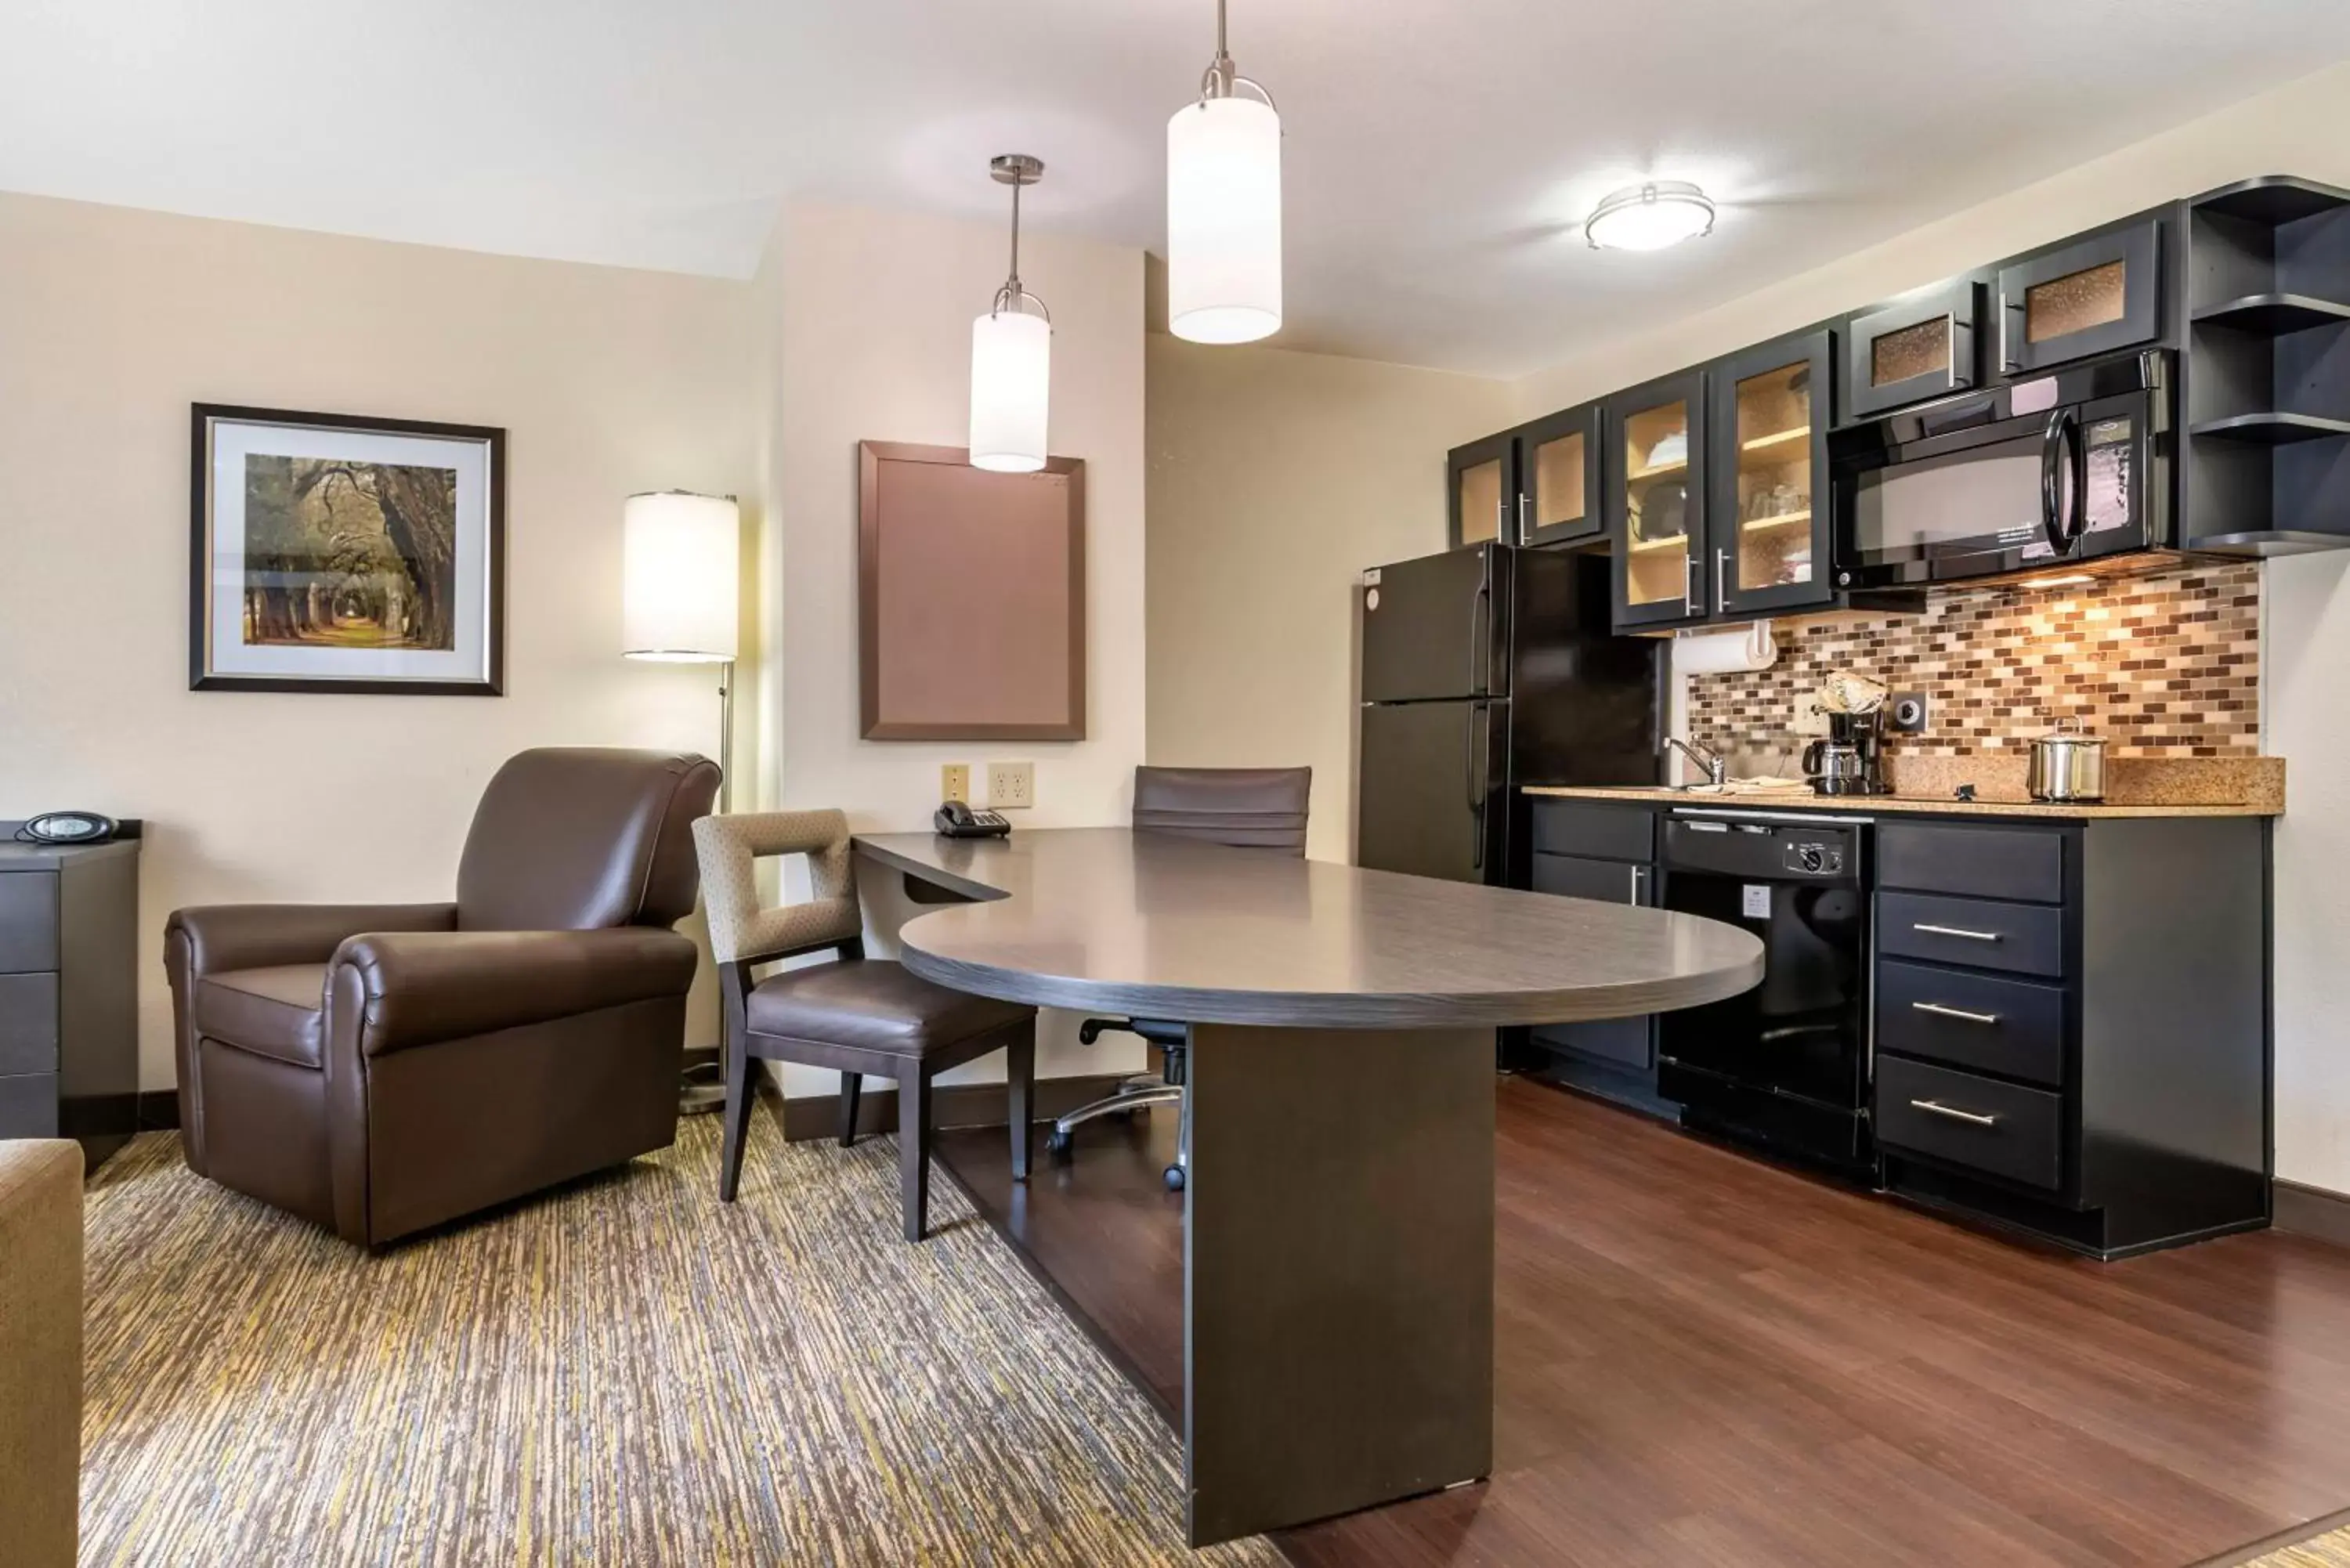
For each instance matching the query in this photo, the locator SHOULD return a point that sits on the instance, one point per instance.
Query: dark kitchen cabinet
(2264, 467)
(1481, 484)
(1558, 461)
(2082, 299)
(1613, 849)
(1918, 346)
(1656, 500)
(1767, 518)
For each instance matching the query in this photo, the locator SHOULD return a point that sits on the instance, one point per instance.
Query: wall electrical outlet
(955, 782)
(1905, 714)
(1010, 785)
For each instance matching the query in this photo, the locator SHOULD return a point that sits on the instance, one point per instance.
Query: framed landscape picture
(337, 554)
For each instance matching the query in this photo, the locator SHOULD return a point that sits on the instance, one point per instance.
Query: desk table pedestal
(1339, 1272)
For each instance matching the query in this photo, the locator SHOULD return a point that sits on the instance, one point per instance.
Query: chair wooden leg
(739, 1101)
(1020, 1080)
(852, 1085)
(914, 1148)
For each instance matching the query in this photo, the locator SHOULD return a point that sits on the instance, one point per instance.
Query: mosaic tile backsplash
(2167, 664)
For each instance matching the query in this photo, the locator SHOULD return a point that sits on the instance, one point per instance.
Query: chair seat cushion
(277, 1011)
(873, 1004)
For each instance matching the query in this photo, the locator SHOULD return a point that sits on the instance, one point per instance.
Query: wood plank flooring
(1704, 1360)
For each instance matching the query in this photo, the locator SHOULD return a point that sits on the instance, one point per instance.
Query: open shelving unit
(2266, 457)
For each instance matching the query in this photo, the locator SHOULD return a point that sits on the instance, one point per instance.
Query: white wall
(112, 323)
(1275, 478)
(870, 339)
(2301, 129)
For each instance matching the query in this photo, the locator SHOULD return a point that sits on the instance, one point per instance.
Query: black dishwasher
(1784, 1066)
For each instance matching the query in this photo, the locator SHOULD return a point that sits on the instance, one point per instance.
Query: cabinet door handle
(1524, 533)
(1957, 931)
(1939, 1011)
(1720, 581)
(1640, 884)
(1689, 590)
(1956, 1115)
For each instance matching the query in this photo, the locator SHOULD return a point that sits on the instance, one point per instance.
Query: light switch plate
(955, 782)
(1011, 786)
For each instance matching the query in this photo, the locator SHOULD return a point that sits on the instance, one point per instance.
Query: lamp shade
(679, 554)
(1223, 220)
(1011, 383)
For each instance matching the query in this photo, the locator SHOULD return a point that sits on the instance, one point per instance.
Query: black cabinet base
(2221, 1202)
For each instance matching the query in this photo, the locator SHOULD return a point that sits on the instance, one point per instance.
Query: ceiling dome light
(1649, 217)
(1011, 354)
(1223, 209)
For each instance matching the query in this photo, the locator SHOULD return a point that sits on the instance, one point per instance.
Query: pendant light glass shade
(1223, 220)
(1011, 384)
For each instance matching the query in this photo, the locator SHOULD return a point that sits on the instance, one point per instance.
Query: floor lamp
(681, 604)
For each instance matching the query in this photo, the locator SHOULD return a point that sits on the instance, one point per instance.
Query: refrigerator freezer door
(1434, 793)
(1429, 626)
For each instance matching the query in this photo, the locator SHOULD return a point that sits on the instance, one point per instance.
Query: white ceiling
(1436, 155)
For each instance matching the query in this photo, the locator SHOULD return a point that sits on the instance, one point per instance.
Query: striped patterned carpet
(626, 1373)
(2331, 1550)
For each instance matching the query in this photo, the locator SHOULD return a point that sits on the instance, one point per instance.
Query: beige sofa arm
(40, 1350)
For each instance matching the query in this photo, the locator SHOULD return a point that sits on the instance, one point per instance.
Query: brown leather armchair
(382, 1068)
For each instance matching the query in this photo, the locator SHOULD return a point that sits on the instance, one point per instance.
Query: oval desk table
(1338, 1219)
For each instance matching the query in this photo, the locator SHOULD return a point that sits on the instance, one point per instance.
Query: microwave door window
(1982, 500)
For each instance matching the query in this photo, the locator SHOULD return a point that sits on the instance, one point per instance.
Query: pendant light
(1011, 354)
(1223, 208)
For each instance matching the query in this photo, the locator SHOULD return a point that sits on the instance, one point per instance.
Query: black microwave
(2061, 470)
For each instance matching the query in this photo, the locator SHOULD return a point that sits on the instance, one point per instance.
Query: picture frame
(970, 597)
(338, 553)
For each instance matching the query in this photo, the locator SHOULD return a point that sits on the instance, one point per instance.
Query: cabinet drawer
(28, 1023)
(2010, 1026)
(1972, 862)
(1626, 1042)
(2003, 1128)
(29, 920)
(28, 1105)
(1578, 877)
(1609, 831)
(2022, 938)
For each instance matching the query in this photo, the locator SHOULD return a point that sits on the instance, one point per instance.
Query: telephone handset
(956, 820)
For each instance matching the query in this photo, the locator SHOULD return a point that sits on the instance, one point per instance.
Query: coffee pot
(1851, 759)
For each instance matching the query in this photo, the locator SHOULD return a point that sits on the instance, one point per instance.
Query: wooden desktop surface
(1110, 920)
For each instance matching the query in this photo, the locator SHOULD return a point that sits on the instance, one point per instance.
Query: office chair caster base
(1060, 1145)
(1173, 1177)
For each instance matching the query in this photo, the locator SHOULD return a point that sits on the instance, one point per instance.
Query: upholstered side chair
(380, 1069)
(854, 1014)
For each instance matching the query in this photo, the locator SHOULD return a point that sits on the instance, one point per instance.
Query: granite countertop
(1874, 805)
(1928, 782)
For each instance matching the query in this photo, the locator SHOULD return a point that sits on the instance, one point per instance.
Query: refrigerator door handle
(1481, 742)
(1481, 629)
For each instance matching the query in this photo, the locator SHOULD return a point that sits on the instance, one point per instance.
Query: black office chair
(1250, 808)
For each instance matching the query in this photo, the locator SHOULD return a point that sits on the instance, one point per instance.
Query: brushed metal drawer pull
(1940, 1010)
(1955, 1113)
(1957, 931)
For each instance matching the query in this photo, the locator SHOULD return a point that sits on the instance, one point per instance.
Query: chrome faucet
(1716, 767)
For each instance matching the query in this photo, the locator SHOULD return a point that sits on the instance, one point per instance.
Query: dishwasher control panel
(1811, 858)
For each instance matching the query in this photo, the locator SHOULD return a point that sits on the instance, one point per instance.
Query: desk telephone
(956, 820)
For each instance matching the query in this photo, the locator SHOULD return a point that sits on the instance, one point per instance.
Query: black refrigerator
(1484, 669)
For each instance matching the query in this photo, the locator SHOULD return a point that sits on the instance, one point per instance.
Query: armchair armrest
(222, 937)
(391, 990)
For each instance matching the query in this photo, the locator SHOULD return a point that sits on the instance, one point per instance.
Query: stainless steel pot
(2067, 765)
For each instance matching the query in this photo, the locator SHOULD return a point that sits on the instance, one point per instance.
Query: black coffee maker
(1851, 760)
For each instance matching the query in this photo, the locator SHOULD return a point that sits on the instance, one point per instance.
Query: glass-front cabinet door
(1768, 516)
(2093, 296)
(1920, 346)
(1656, 500)
(1482, 482)
(1558, 478)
